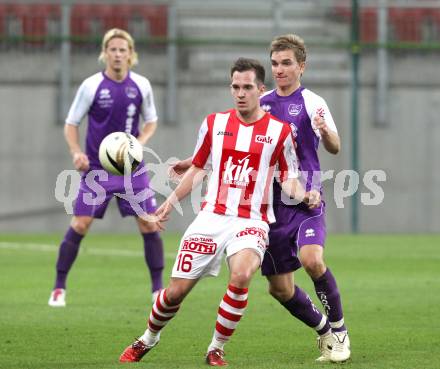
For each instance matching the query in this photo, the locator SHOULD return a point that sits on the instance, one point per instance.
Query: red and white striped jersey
(244, 159)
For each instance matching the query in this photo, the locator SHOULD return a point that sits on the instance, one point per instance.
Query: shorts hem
(310, 243)
(195, 277)
(284, 271)
(95, 216)
(237, 248)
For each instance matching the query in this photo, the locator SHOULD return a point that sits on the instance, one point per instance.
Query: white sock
(216, 344)
(150, 338)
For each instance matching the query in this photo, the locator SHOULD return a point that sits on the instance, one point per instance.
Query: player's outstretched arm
(294, 189)
(79, 158)
(192, 178)
(179, 168)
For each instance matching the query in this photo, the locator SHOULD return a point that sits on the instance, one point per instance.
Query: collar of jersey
(264, 117)
(112, 80)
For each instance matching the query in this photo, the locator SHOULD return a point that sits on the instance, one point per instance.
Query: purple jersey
(111, 106)
(299, 109)
(298, 225)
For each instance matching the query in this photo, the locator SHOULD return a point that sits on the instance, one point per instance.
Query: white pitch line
(40, 247)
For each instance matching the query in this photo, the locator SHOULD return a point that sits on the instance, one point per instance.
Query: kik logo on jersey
(238, 167)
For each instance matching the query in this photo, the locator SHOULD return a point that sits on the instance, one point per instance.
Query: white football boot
(341, 347)
(325, 345)
(57, 298)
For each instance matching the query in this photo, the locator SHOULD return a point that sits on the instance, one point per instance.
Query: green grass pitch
(390, 287)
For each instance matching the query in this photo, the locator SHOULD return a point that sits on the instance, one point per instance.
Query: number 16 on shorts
(184, 262)
(196, 258)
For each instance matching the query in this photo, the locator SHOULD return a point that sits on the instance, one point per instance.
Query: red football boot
(215, 358)
(135, 352)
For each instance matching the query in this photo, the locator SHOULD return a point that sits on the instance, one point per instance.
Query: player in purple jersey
(298, 236)
(114, 100)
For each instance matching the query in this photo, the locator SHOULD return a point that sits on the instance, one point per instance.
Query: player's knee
(279, 293)
(241, 278)
(81, 225)
(175, 294)
(314, 266)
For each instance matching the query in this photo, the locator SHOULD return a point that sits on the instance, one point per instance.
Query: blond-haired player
(115, 99)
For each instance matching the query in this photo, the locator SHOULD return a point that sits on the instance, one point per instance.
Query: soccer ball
(120, 153)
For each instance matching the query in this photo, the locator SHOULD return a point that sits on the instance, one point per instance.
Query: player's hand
(319, 122)
(163, 214)
(312, 199)
(177, 170)
(80, 161)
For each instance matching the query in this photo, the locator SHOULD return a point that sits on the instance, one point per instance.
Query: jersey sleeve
(202, 153)
(323, 110)
(148, 110)
(316, 105)
(288, 161)
(81, 104)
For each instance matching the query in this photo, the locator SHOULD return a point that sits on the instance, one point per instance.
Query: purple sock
(153, 252)
(328, 293)
(67, 255)
(302, 308)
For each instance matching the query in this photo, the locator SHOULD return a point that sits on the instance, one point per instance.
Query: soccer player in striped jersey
(244, 147)
(298, 236)
(114, 100)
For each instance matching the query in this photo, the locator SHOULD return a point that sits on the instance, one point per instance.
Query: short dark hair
(245, 64)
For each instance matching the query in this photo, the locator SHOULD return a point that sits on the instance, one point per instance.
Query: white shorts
(210, 236)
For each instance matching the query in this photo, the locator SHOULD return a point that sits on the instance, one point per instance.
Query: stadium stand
(406, 24)
(227, 24)
(31, 21)
(435, 22)
(36, 22)
(2, 20)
